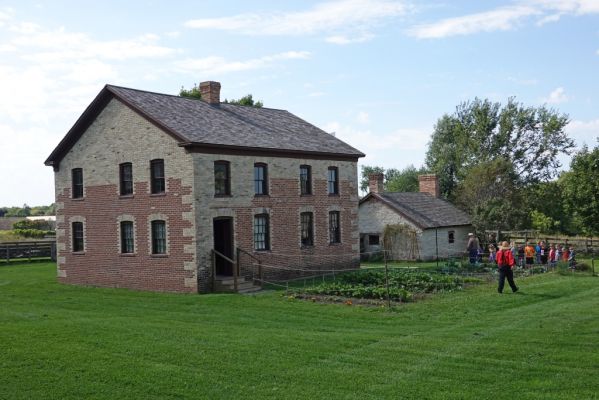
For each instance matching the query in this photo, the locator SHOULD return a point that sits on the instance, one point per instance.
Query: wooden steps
(226, 284)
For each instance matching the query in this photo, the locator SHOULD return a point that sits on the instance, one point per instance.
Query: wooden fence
(583, 244)
(30, 251)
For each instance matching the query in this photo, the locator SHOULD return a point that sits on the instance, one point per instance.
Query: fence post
(387, 280)
(7, 254)
(213, 259)
(236, 272)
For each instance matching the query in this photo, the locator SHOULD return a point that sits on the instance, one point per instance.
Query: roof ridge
(109, 85)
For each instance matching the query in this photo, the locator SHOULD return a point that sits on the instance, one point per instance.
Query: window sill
(78, 253)
(161, 194)
(77, 198)
(159, 256)
(333, 194)
(306, 195)
(262, 195)
(128, 255)
(126, 196)
(307, 246)
(262, 251)
(222, 196)
(335, 244)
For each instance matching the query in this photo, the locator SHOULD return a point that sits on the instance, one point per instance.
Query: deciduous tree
(479, 131)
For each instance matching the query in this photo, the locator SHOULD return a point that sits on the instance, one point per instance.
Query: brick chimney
(375, 183)
(210, 92)
(429, 184)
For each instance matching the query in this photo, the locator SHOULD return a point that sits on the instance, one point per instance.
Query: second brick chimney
(210, 92)
(375, 183)
(429, 184)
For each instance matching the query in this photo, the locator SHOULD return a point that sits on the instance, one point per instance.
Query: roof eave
(291, 153)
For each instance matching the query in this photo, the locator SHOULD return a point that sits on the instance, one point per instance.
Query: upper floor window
(157, 181)
(334, 227)
(261, 232)
(333, 180)
(127, 239)
(260, 179)
(222, 178)
(307, 230)
(158, 237)
(451, 236)
(305, 179)
(77, 175)
(77, 231)
(126, 178)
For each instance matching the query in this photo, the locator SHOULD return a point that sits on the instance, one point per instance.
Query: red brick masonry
(102, 264)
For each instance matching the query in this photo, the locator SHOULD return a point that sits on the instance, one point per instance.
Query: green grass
(68, 342)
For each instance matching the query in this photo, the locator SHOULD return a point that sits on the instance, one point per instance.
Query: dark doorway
(223, 243)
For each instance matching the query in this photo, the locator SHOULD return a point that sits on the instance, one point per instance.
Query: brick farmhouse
(433, 226)
(148, 185)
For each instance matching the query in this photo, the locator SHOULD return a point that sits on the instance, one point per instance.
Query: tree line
(500, 163)
(27, 211)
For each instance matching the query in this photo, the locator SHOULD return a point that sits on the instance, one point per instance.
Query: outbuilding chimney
(429, 184)
(375, 183)
(210, 92)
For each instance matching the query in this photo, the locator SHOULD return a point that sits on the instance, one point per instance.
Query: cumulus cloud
(557, 96)
(505, 18)
(345, 17)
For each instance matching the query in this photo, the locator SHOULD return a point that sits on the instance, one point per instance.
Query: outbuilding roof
(423, 209)
(200, 125)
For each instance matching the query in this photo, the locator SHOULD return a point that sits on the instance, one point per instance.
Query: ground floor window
(334, 227)
(127, 240)
(261, 232)
(158, 237)
(307, 230)
(77, 229)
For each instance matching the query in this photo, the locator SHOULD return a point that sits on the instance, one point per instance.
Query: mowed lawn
(68, 342)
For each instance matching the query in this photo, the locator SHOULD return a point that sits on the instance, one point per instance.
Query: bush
(32, 225)
(30, 233)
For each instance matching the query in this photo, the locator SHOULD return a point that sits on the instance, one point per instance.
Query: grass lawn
(68, 342)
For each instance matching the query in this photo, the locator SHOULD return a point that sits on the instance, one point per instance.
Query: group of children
(540, 254)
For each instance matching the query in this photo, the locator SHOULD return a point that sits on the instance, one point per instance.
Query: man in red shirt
(505, 262)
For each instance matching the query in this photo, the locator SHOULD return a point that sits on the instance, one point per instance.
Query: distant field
(67, 342)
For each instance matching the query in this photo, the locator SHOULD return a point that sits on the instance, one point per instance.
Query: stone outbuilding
(161, 192)
(419, 225)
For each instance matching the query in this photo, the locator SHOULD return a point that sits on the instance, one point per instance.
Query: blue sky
(378, 73)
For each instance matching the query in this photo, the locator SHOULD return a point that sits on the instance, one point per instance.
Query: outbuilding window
(261, 232)
(260, 179)
(334, 227)
(451, 236)
(222, 178)
(126, 178)
(158, 237)
(305, 179)
(127, 239)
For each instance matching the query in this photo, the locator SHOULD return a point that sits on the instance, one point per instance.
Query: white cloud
(584, 132)
(363, 117)
(397, 149)
(505, 18)
(342, 39)
(316, 94)
(333, 16)
(214, 65)
(557, 96)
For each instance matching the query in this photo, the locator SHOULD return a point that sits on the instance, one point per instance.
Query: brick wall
(120, 135)
(283, 204)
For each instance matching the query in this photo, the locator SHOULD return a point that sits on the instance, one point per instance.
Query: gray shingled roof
(425, 210)
(232, 125)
